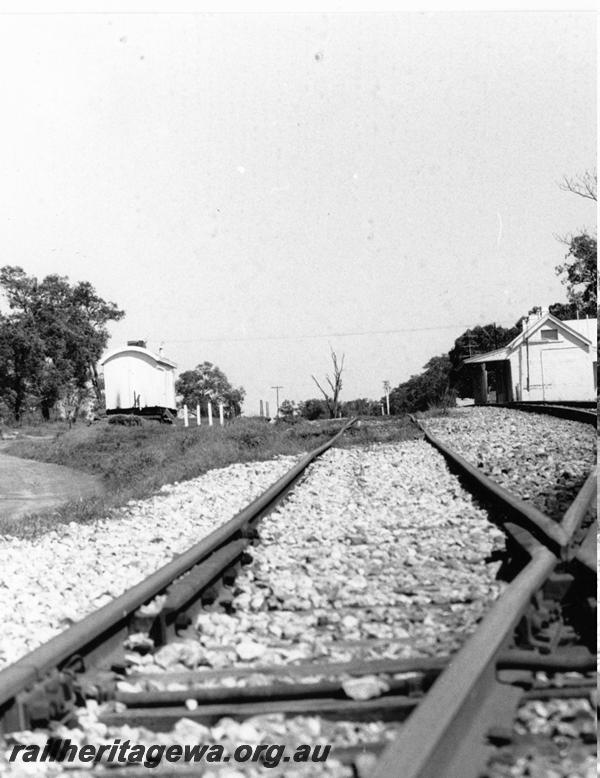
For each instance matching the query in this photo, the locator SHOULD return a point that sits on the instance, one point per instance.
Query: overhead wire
(244, 339)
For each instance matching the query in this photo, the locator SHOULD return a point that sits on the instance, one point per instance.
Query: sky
(255, 189)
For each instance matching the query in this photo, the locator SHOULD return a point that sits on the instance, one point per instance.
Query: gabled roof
(139, 350)
(501, 354)
(548, 318)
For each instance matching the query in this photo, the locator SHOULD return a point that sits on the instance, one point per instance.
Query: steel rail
(584, 415)
(542, 527)
(437, 739)
(91, 629)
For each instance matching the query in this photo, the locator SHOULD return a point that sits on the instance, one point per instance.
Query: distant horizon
(342, 398)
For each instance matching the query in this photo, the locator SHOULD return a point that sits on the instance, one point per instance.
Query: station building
(549, 361)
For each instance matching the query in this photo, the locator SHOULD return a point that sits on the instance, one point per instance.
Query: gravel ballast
(378, 553)
(48, 583)
(543, 459)
(558, 740)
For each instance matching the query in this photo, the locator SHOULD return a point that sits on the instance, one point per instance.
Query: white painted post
(209, 414)
(198, 415)
(221, 414)
(382, 409)
(262, 412)
(186, 419)
(268, 415)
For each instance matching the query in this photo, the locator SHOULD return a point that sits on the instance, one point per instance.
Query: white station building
(136, 380)
(549, 361)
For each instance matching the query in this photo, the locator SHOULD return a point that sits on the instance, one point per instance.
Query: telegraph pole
(386, 387)
(277, 388)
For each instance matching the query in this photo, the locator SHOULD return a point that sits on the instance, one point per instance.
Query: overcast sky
(255, 188)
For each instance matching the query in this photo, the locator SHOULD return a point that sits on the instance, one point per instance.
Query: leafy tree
(51, 339)
(313, 409)
(361, 407)
(207, 383)
(430, 388)
(580, 276)
(564, 311)
(332, 398)
(478, 340)
(21, 358)
(287, 410)
(579, 271)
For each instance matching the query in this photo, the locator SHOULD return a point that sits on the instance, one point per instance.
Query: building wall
(132, 374)
(553, 370)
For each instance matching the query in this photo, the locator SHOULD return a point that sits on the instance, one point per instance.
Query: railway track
(533, 638)
(584, 412)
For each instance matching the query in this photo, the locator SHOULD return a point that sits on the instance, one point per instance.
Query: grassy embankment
(134, 462)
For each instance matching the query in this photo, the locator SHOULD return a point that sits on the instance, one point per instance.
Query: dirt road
(30, 487)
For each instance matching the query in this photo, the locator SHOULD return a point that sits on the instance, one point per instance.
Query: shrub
(250, 433)
(125, 419)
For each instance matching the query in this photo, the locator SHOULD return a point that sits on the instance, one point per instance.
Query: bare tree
(584, 185)
(332, 398)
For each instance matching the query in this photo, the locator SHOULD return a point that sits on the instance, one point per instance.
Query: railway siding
(543, 459)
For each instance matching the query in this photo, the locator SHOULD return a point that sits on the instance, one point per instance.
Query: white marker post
(386, 386)
(267, 414)
(262, 411)
(186, 418)
(198, 415)
(221, 414)
(209, 414)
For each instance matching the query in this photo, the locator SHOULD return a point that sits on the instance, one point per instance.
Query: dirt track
(30, 487)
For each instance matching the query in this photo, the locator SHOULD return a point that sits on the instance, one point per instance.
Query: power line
(322, 335)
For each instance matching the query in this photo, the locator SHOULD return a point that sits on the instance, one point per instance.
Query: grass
(134, 462)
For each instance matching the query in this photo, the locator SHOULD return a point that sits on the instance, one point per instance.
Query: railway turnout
(167, 649)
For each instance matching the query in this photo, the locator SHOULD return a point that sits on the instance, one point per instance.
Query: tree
(361, 407)
(580, 275)
(207, 383)
(564, 311)
(332, 400)
(287, 410)
(51, 339)
(313, 409)
(579, 271)
(478, 340)
(430, 388)
(21, 357)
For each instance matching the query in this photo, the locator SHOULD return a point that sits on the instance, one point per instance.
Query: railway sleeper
(541, 632)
